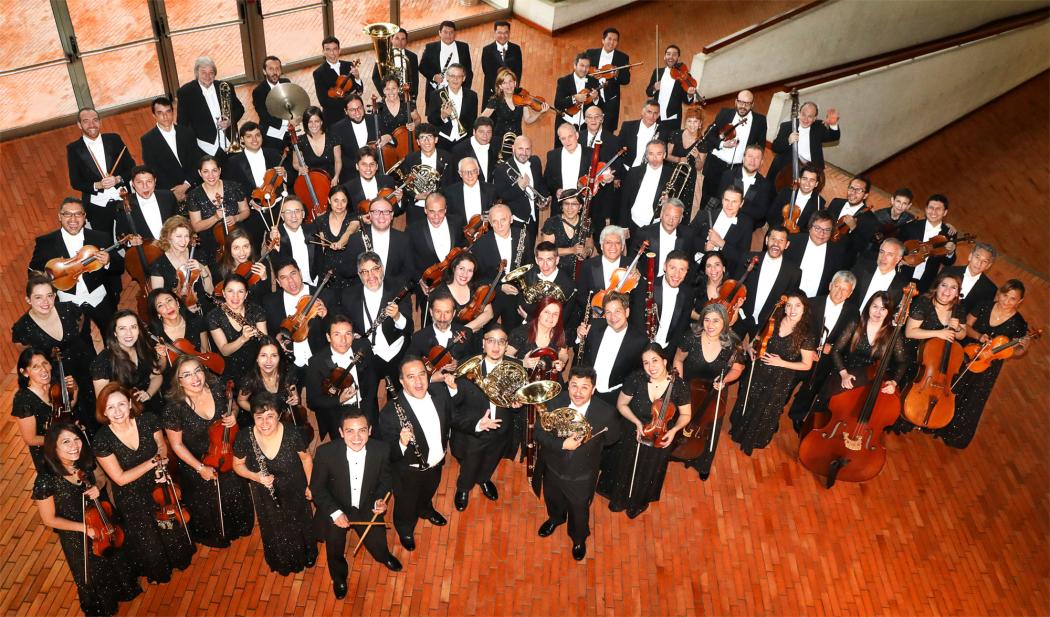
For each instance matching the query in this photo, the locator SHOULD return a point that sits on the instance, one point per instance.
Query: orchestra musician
(433, 238)
(98, 164)
(411, 70)
(567, 164)
(667, 90)
(673, 298)
(326, 75)
(642, 191)
(807, 198)
(817, 258)
(774, 276)
(596, 272)
(750, 129)
(200, 108)
(977, 289)
(351, 133)
(294, 236)
(367, 182)
(130, 360)
(479, 147)
(274, 130)
(875, 225)
(284, 304)
(379, 237)
(727, 234)
(507, 241)
(576, 88)
(884, 275)
(270, 375)
(321, 150)
(612, 346)
(712, 273)
(393, 111)
(32, 404)
(442, 330)
(636, 135)
(455, 116)
(607, 198)
(507, 117)
(497, 56)
(334, 229)
(757, 189)
(938, 313)
(924, 229)
(428, 155)
(355, 392)
(236, 326)
(847, 210)
(460, 282)
(214, 202)
(170, 321)
(811, 136)
(686, 151)
(560, 230)
(171, 150)
(174, 240)
(372, 298)
(237, 250)
(669, 233)
(248, 168)
(523, 188)
(547, 269)
(438, 56)
(609, 54)
(544, 329)
(472, 196)
(150, 206)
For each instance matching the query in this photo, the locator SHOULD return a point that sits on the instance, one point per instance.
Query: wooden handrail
(763, 25)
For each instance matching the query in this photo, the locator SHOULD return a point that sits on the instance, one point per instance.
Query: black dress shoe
(548, 527)
(579, 551)
(634, 512)
(339, 589)
(392, 564)
(435, 518)
(461, 499)
(488, 489)
(408, 542)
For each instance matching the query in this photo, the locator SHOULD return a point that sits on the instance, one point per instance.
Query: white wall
(841, 31)
(888, 109)
(556, 15)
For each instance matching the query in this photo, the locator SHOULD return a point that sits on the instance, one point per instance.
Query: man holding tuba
(210, 107)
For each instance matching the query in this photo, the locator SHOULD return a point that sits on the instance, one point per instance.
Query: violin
(998, 348)
(299, 418)
(389, 194)
(523, 98)
(65, 271)
(609, 71)
(663, 411)
(98, 519)
(187, 281)
(313, 185)
(590, 96)
(341, 378)
(930, 402)
(270, 190)
(220, 438)
(732, 293)
(849, 447)
(61, 395)
(842, 229)
(439, 357)
(183, 347)
(167, 500)
(916, 252)
(770, 328)
(482, 297)
(590, 180)
(887, 230)
(344, 84)
(474, 229)
(220, 231)
(681, 74)
(623, 280)
(297, 325)
(145, 254)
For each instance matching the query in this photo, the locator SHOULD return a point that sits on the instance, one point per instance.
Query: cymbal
(287, 101)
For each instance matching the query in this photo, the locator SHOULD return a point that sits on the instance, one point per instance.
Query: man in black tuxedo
(568, 466)
(667, 90)
(399, 43)
(454, 117)
(847, 210)
(366, 184)
(924, 229)
(284, 303)
(817, 258)
(275, 130)
(604, 202)
(99, 165)
(441, 54)
(343, 469)
(811, 136)
(458, 340)
(325, 77)
(567, 164)
(469, 197)
(506, 241)
(433, 237)
(612, 346)
(758, 190)
(499, 54)
(642, 189)
(546, 260)
(728, 232)
(367, 301)
(573, 89)
(329, 403)
(294, 236)
(200, 108)
(609, 54)
(977, 289)
(430, 156)
(875, 225)
(95, 292)
(525, 192)
(150, 206)
(884, 275)
(480, 147)
(391, 245)
(171, 151)
(637, 134)
(353, 132)
(807, 199)
(596, 272)
(667, 234)
(673, 298)
(750, 129)
(774, 276)
(248, 168)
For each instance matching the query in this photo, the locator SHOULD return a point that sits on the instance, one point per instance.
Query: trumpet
(450, 108)
(514, 175)
(233, 139)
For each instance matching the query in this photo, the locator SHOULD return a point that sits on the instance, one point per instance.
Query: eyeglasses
(855, 189)
(498, 341)
(371, 270)
(822, 230)
(293, 211)
(196, 371)
(72, 215)
(381, 212)
(748, 103)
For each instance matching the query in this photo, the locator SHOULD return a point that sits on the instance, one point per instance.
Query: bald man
(750, 129)
(519, 183)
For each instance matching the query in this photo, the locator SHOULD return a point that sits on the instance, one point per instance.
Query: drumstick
(376, 516)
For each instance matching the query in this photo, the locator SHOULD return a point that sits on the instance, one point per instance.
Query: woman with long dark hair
(460, 284)
(321, 150)
(32, 405)
(236, 326)
(272, 374)
(210, 202)
(545, 329)
(129, 359)
(238, 250)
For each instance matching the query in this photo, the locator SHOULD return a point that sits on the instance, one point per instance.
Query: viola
(311, 187)
(842, 229)
(887, 230)
(849, 447)
(998, 348)
(732, 293)
(183, 347)
(297, 325)
(930, 402)
(62, 395)
(167, 501)
(474, 230)
(609, 71)
(523, 98)
(98, 519)
(623, 280)
(389, 194)
(137, 262)
(681, 74)
(590, 96)
(270, 190)
(344, 84)
(297, 415)
(482, 297)
(220, 437)
(186, 289)
(916, 252)
(66, 271)
(439, 357)
(663, 411)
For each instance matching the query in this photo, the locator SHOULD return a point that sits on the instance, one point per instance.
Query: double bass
(849, 447)
(790, 211)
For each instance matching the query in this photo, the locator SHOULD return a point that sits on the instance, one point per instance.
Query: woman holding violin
(273, 375)
(510, 105)
(986, 322)
(32, 405)
(130, 447)
(460, 284)
(70, 486)
(544, 331)
(215, 206)
(195, 405)
(335, 228)
(130, 360)
(785, 347)
(178, 269)
(562, 230)
(707, 359)
(170, 321)
(657, 404)
(322, 151)
(236, 326)
(274, 460)
(712, 278)
(240, 256)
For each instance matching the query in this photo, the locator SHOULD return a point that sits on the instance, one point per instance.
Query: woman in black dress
(236, 327)
(60, 496)
(130, 360)
(170, 321)
(239, 250)
(321, 151)
(32, 402)
(714, 339)
(506, 116)
(207, 202)
(281, 492)
(129, 447)
(684, 147)
(792, 347)
(460, 284)
(393, 112)
(270, 375)
(545, 330)
(859, 347)
(641, 464)
(987, 321)
(335, 227)
(176, 240)
(47, 325)
(195, 402)
(561, 229)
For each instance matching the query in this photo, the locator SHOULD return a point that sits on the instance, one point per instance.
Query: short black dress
(197, 201)
(27, 404)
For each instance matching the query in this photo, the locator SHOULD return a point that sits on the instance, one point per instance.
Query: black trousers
(812, 383)
(335, 543)
(480, 463)
(101, 218)
(328, 423)
(607, 467)
(569, 498)
(390, 370)
(414, 495)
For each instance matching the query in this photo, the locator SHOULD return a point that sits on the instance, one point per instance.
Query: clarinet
(365, 241)
(241, 320)
(260, 458)
(586, 321)
(402, 420)
(520, 252)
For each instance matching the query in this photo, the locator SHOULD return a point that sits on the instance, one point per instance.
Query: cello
(849, 447)
(311, 187)
(144, 255)
(930, 402)
(732, 293)
(623, 280)
(220, 439)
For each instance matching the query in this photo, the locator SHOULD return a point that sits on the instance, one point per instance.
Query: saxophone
(260, 458)
(233, 139)
(402, 420)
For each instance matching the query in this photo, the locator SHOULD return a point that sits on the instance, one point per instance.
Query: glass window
(222, 44)
(352, 17)
(294, 35)
(30, 36)
(113, 22)
(52, 95)
(183, 14)
(416, 14)
(123, 75)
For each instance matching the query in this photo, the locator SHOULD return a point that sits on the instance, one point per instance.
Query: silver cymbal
(287, 101)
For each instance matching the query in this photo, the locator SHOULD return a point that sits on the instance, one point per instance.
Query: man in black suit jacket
(671, 225)
(604, 203)
(396, 257)
(497, 55)
(595, 271)
(275, 130)
(462, 106)
(546, 260)
(775, 273)
(811, 137)
(437, 228)
(502, 232)
(329, 403)
(398, 43)
(661, 80)
(977, 289)
(758, 190)
(150, 207)
(325, 77)
(817, 258)
(605, 55)
(439, 55)
(672, 317)
(342, 468)
(558, 179)
(875, 225)
(924, 229)
(366, 183)
(642, 189)
(431, 156)
(847, 210)
(727, 232)
(806, 198)
(568, 465)
(470, 196)
(291, 230)
(570, 91)
(884, 275)
(248, 168)
(723, 151)
(99, 165)
(480, 147)
(635, 135)
(526, 193)
(281, 305)
(176, 168)
(353, 131)
(622, 351)
(439, 329)
(371, 298)
(200, 106)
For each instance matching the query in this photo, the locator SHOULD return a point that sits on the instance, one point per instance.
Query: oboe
(241, 320)
(402, 419)
(260, 458)
(520, 253)
(586, 321)
(652, 318)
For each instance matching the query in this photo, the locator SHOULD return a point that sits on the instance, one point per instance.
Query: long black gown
(753, 427)
(153, 551)
(679, 150)
(287, 532)
(197, 201)
(856, 362)
(336, 261)
(201, 496)
(110, 580)
(697, 369)
(973, 389)
(652, 461)
(240, 362)
(27, 404)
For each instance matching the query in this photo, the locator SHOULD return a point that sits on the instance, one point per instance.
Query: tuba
(233, 138)
(381, 33)
(566, 422)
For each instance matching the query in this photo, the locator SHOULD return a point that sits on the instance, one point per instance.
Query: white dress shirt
(448, 55)
(374, 306)
(80, 294)
(968, 281)
(525, 169)
(151, 212)
(356, 463)
(748, 180)
(101, 197)
(300, 253)
(211, 97)
(667, 242)
(929, 231)
(504, 248)
(879, 282)
(441, 237)
(581, 85)
(300, 350)
(832, 312)
(257, 163)
(570, 167)
(812, 266)
(457, 103)
(608, 267)
(342, 360)
(370, 188)
(667, 84)
(645, 135)
(472, 199)
(642, 212)
(722, 224)
(381, 244)
(804, 151)
(427, 415)
(766, 277)
(169, 138)
(608, 350)
(735, 155)
(360, 133)
(481, 152)
(666, 308)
